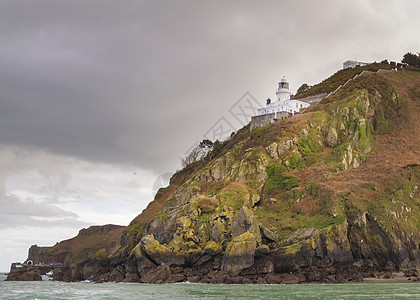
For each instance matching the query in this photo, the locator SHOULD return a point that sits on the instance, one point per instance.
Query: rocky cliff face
(327, 196)
(78, 249)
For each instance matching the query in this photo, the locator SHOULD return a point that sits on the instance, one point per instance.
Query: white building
(353, 63)
(283, 103)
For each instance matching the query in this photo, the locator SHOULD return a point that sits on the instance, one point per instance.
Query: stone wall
(264, 120)
(258, 121)
(283, 115)
(313, 100)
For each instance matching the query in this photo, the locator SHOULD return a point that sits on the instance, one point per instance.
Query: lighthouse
(283, 92)
(284, 106)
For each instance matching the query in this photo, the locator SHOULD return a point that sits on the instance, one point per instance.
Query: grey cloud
(139, 81)
(17, 213)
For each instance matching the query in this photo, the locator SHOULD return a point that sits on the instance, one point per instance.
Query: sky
(100, 99)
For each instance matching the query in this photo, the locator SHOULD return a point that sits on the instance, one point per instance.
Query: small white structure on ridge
(348, 64)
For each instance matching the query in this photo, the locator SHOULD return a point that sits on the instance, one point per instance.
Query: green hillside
(339, 78)
(330, 195)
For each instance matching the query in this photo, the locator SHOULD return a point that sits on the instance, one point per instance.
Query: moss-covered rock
(239, 254)
(270, 234)
(144, 264)
(332, 137)
(218, 231)
(272, 150)
(212, 248)
(154, 251)
(245, 221)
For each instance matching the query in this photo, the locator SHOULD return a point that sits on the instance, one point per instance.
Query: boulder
(153, 250)
(93, 269)
(245, 221)
(178, 244)
(332, 137)
(290, 279)
(30, 274)
(411, 273)
(183, 223)
(212, 248)
(270, 234)
(144, 265)
(274, 278)
(131, 277)
(239, 254)
(74, 274)
(218, 230)
(160, 254)
(255, 200)
(203, 260)
(163, 231)
(174, 278)
(262, 250)
(283, 147)
(262, 265)
(272, 150)
(117, 275)
(158, 275)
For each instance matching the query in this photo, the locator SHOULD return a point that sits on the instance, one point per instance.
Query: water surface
(92, 291)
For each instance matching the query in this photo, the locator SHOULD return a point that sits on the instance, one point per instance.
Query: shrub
(307, 145)
(411, 59)
(293, 161)
(278, 179)
(207, 204)
(311, 187)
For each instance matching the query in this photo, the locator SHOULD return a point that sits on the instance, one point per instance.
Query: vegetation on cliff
(413, 60)
(329, 184)
(329, 195)
(340, 78)
(94, 241)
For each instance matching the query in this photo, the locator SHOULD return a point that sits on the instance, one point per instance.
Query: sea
(48, 289)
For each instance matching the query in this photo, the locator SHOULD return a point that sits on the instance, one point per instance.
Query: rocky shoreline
(167, 275)
(324, 257)
(313, 275)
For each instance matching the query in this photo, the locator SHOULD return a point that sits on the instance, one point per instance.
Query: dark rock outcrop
(27, 274)
(245, 221)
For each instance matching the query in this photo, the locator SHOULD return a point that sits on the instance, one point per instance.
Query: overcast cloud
(98, 98)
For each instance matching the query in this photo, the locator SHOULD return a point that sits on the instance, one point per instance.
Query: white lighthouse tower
(283, 92)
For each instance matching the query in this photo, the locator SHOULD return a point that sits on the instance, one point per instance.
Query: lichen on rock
(245, 221)
(239, 254)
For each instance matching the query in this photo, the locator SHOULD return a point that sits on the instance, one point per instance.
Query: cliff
(78, 249)
(331, 195)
